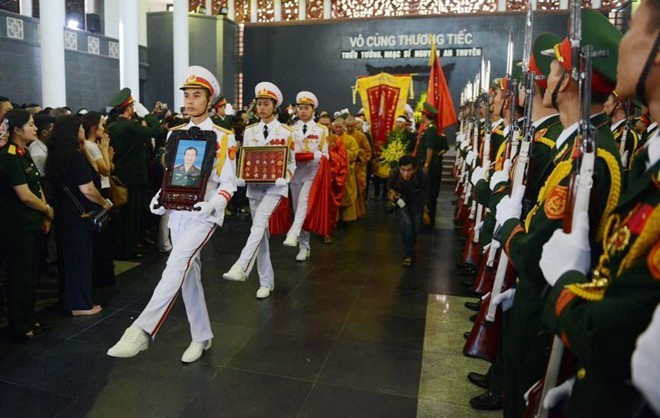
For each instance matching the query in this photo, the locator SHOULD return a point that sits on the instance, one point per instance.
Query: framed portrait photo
(188, 163)
(263, 165)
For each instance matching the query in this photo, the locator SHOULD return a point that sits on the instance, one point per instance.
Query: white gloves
(645, 363)
(479, 173)
(281, 182)
(463, 144)
(500, 176)
(478, 226)
(505, 299)
(155, 207)
(565, 252)
(558, 394)
(217, 203)
(470, 157)
(317, 156)
(239, 182)
(140, 110)
(460, 137)
(510, 206)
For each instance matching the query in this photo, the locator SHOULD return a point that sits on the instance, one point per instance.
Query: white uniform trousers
(182, 272)
(257, 243)
(300, 202)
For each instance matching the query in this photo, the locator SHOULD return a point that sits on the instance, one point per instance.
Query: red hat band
(265, 93)
(599, 83)
(125, 102)
(541, 79)
(196, 81)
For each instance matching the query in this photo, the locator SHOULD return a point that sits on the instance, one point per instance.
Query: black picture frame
(181, 190)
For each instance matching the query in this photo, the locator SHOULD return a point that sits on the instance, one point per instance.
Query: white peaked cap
(268, 90)
(200, 77)
(307, 97)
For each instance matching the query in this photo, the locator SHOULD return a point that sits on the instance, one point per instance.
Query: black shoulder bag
(98, 219)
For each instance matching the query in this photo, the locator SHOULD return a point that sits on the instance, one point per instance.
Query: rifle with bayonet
(579, 193)
(486, 331)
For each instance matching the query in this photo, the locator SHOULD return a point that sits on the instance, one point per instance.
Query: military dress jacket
(308, 137)
(278, 135)
(17, 168)
(600, 320)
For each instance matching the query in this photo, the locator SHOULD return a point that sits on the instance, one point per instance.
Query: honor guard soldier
(547, 127)
(264, 198)
(523, 240)
(128, 138)
(190, 231)
(428, 153)
(221, 118)
(311, 143)
(600, 311)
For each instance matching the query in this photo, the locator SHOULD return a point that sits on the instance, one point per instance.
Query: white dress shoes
(291, 240)
(131, 343)
(264, 292)
(303, 254)
(235, 273)
(195, 351)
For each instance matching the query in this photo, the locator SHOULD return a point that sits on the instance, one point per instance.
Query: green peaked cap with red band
(598, 32)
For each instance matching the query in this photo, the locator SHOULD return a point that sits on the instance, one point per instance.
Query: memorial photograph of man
(186, 173)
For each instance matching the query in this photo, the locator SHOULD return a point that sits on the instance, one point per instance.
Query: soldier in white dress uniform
(311, 143)
(190, 231)
(264, 198)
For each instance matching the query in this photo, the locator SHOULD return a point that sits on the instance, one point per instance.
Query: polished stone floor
(349, 333)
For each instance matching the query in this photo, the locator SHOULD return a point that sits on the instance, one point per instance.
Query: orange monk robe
(364, 156)
(338, 171)
(349, 200)
(328, 189)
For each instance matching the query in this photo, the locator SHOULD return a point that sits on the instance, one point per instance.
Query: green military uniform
(20, 226)
(547, 130)
(600, 323)
(226, 121)
(129, 138)
(181, 177)
(526, 338)
(431, 140)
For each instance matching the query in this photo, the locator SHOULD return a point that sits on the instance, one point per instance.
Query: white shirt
(615, 126)
(654, 150)
(95, 152)
(39, 152)
(565, 134)
(543, 119)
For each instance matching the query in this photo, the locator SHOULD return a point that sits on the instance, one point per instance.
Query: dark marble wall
(91, 60)
(308, 55)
